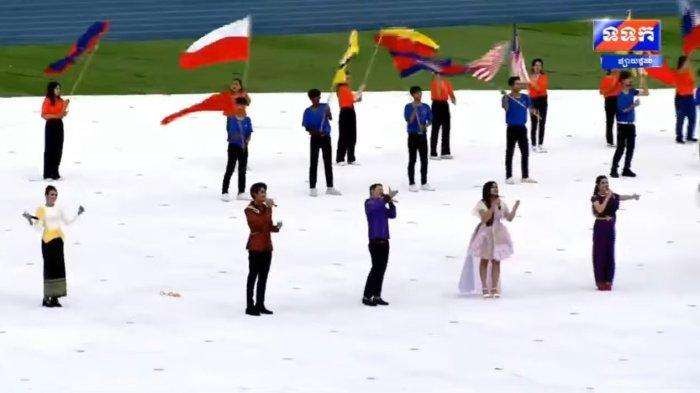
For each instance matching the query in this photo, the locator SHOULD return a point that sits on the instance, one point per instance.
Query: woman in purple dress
(604, 205)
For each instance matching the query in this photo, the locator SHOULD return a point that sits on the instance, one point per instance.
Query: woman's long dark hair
(597, 183)
(50, 91)
(486, 198)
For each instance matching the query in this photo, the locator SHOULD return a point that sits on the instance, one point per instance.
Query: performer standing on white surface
(489, 245)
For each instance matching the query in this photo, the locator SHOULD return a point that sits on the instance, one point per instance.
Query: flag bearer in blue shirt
(418, 117)
(516, 106)
(626, 130)
(317, 122)
(239, 130)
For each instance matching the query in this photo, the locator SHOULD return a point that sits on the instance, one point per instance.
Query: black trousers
(539, 103)
(239, 154)
(610, 111)
(379, 251)
(441, 120)
(517, 134)
(53, 147)
(258, 268)
(54, 268)
(626, 136)
(417, 144)
(322, 143)
(347, 135)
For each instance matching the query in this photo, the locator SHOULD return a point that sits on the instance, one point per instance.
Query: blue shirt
(625, 106)
(378, 216)
(516, 114)
(424, 116)
(238, 130)
(317, 119)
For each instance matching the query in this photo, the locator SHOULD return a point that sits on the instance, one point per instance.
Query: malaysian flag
(517, 60)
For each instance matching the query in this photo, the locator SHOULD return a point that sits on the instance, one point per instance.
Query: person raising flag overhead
(683, 80)
(347, 119)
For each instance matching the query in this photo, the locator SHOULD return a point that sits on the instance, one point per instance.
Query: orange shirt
(538, 87)
(440, 90)
(685, 83)
(610, 86)
(56, 108)
(345, 96)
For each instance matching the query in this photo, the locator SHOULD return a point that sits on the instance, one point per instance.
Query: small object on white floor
(413, 188)
(446, 157)
(529, 180)
(226, 197)
(332, 191)
(313, 192)
(510, 180)
(242, 197)
(427, 187)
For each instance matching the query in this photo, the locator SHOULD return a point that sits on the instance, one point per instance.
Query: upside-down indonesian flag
(220, 102)
(227, 43)
(690, 29)
(85, 43)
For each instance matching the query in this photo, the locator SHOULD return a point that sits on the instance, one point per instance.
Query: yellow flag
(340, 76)
(353, 48)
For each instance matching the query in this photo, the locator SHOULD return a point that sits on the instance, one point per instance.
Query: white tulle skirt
(487, 242)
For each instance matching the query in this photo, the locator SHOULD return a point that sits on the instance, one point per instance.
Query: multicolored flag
(690, 29)
(85, 43)
(517, 60)
(406, 41)
(225, 44)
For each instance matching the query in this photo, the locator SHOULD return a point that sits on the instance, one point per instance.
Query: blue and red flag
(626, 35)
(85, 43)
(690, 29)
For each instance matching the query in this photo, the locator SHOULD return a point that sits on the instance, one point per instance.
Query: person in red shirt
(440, 91)
(259, 216)
(53, 110)
(347, 121)
(685, 100)
(610, 88)
(539, 82)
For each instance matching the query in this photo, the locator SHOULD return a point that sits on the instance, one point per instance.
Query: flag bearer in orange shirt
(440, 92)
(347, 121)
(539, 82)
(610, 88)
(53, 111)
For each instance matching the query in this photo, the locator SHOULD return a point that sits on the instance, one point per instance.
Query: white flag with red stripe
(227, 43)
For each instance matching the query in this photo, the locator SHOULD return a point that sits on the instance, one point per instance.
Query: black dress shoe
(54, 302)
(46, 302)
(263, 310)
(252, 311)
(680, 141)
(380, 302)
(369, 302)
(692, 140)
(628, 173)
(613, 173)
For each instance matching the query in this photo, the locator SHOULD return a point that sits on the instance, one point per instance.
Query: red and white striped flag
(486, 67)
(227, 43)
(517, 60)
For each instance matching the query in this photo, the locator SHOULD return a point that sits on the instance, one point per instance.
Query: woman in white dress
(489, 245)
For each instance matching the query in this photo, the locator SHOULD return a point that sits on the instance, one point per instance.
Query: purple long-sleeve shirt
(378, 216)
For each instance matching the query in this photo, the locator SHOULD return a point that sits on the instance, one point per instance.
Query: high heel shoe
(495, 293)
(485, 293)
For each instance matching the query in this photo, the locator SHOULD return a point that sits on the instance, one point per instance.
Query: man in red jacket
(259, 216)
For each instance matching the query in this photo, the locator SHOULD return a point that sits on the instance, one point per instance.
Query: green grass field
(299, 62)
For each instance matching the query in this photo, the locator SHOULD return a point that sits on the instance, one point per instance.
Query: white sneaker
(446, 157)
(510, 180)
(427, 187)
(226, 197)
(353, 163)
(332, 191)
(313, 192)
(436, 158)
(341, 163)
(611, 145)
(529, 180)
(413, 188)
(536, 149)
(242, 197)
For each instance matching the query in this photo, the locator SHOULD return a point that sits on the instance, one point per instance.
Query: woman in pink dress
(489, 245)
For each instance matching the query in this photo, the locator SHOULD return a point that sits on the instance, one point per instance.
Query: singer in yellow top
(50, 219)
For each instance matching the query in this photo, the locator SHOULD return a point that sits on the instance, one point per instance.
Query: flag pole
(371, 60)
(82, 72)
(246, 67)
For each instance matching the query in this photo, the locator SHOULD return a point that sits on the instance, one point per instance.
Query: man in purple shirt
(378, 215)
